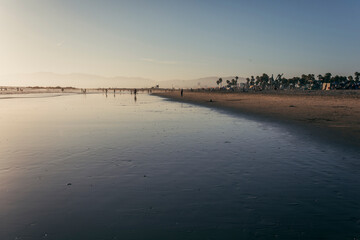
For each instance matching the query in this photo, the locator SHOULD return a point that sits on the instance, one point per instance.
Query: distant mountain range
(80, 80)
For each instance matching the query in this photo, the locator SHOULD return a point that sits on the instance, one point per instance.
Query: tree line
(305, 81)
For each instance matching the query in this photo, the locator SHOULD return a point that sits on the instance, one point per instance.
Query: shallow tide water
(97, 167)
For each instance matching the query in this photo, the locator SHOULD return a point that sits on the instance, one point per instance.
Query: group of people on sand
(105, 90)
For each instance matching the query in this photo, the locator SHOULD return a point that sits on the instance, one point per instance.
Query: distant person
(135, 91)
(182, 92)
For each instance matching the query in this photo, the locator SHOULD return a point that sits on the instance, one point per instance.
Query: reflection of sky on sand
(149, 165)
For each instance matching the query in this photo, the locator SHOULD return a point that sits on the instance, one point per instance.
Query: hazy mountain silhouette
(81, 80)
(195, 83)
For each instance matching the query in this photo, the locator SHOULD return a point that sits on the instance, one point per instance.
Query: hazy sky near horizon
(180, 39)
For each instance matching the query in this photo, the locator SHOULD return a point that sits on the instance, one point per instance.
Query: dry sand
(335, 113)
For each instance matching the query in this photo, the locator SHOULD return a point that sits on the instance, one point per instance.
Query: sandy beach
(33, 90)
(333, 113)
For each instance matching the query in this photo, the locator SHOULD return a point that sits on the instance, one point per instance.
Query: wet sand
(333, 114)
(33, 90)
(158, 169)
(25, 92)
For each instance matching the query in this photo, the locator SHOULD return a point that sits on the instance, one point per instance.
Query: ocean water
(97, 167)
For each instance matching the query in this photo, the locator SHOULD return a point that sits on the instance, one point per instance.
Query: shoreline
(333, 116)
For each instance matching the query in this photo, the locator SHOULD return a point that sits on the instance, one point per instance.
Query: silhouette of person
(182, 92)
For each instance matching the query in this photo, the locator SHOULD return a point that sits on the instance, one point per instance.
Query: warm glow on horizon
(173, 40)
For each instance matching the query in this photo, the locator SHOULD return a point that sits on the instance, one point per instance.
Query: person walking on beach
(135, 91)
(182, 92)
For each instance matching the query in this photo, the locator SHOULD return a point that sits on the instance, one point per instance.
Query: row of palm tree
(229, 83)
(306, 80)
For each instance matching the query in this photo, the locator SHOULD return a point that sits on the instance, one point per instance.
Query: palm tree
(271, 80)
(357, 76)
(236, 78)
(303, 79)
(311, 77)
(327, 77)
(320, 77)
(284, 82)
(258, 80)
(219, 81)
(264, 79)
(228, 83)
(277, 80)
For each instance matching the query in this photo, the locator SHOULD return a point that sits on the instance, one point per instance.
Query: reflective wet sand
(96, 167)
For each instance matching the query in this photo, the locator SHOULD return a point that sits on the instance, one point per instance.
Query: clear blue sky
(180, 39)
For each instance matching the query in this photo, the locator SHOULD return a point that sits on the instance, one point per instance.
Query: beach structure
(325, 86)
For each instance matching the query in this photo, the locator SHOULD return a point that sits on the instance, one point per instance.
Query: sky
(187, 39)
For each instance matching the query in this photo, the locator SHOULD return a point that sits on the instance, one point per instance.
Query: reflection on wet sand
(156, 169)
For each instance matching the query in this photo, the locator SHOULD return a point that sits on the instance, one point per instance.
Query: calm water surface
(91, 167)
